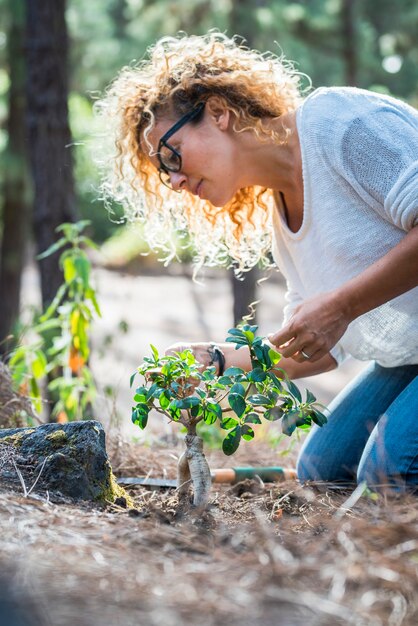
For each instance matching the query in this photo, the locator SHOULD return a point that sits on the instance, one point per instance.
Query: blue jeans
(371, 435)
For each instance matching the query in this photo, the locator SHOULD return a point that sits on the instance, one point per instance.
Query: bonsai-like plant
(176, 386)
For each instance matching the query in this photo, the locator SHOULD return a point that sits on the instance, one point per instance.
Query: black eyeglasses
(168, 157)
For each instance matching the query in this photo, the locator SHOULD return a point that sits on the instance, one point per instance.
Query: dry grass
(263, 556)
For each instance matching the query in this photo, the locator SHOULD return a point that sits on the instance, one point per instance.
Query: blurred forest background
(57, 56)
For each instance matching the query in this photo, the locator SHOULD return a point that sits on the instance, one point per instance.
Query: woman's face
(208, 149)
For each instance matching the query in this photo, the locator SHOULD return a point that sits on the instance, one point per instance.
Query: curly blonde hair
(180, 73)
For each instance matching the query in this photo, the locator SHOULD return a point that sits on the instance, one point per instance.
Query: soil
(262, 554)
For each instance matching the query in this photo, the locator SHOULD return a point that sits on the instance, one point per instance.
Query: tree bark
(16, 206)
(349, 41)
(244, 292)
(49, 132)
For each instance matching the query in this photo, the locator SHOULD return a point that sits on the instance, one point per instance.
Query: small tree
(176, 386)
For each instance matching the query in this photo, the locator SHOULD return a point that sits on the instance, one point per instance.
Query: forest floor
(263, 555)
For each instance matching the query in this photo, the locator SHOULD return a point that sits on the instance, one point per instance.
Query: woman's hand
(314, 328)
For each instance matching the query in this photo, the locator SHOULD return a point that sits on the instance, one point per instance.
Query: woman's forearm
(392, 275)
(241, 358)
(319, 322)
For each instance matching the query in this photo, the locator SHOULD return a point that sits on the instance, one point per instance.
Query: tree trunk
(244, 294)
(349, 42)
(49, 132)
(244, 291)
(16, 207)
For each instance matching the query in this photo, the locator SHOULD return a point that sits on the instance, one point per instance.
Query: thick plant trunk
(193, 471)
(49, 132)
(16, 206)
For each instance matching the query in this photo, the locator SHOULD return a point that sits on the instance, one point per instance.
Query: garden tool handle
(267, 474)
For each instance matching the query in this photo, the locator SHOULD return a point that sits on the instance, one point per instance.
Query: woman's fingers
(315, 327)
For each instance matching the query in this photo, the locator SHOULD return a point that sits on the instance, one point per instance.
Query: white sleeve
(378, 156)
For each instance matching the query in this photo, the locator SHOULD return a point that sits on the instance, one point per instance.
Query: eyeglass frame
(188, 117)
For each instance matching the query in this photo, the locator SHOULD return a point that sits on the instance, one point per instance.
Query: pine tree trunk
(49, 132)
(16, 207)
(348, 32)
(244, 292)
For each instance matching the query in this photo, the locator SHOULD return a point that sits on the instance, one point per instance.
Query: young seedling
(178, 387)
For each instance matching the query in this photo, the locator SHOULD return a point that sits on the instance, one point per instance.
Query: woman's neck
(272, 165)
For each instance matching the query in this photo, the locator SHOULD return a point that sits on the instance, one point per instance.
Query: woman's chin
(217, 199)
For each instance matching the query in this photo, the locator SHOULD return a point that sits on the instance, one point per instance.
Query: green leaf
(233, 371)
(273, 414)
(228, 423)
(209, 417)
(237, 403)
(257, 375)
(235, 332)
(318, 418)
(262, 353)
(155, 352)
(140, 415)
(70, 271)
(175, 413)
(259, 399)
(91, 295)
(275, 380)
(214, 408)
(294, 390)
(164, 399)
(82, 265)
(275, 357)
(238, 340)
(131, 380)
(196, 410)
(249, 327)
(55, 246)
(247, 432)
(39, 364)
(231, 442)
(288, 424)
(212, 412)
(238, 388)
(249, 335)
(252, 418)
(292, 420)
(310, 397)
(187, 403)
(55, 303)
(225, 380)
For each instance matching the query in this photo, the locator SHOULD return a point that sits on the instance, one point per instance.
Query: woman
(329, 182)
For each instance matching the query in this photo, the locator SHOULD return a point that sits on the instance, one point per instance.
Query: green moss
(58, 437)
(17, 438)
(110, 490)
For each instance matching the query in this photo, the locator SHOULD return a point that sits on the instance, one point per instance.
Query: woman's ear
(218, 111)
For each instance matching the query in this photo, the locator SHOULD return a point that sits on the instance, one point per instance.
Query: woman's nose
(178, 180)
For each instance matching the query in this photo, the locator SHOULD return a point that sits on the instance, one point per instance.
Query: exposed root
(193, 468)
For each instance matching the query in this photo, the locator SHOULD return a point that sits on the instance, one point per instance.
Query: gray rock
(71, 458)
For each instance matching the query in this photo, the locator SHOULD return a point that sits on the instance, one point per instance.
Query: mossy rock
(71, 457)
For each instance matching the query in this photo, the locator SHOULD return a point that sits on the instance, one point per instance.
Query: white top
(360, 179)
